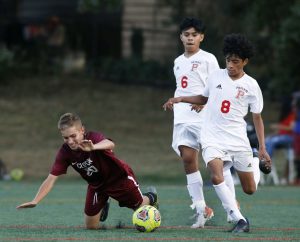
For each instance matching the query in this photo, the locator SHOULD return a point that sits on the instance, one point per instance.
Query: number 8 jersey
(191, 75)
(224, 126)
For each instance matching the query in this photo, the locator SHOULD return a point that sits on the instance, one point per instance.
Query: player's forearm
(199, 99)
(104, 145)
(260, 130)
(45, 188)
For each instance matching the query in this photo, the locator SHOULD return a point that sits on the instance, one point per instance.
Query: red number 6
(184, 82)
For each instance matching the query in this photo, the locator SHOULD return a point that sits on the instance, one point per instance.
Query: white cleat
(200, 221)
(202, 218)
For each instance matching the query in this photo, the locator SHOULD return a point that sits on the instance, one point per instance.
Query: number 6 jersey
(191, 75)
(224, 126)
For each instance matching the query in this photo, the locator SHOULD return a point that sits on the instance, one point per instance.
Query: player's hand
(27, 205)
(170, 102)
(86, 145)
(197, 107)
(265, 162)
(263, 155)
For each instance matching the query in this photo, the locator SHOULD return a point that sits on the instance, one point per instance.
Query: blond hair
(68, 120)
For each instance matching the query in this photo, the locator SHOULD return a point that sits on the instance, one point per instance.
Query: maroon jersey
(99, 168)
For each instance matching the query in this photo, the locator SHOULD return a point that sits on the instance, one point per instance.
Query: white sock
(229, 181)
(256, 170)
(228, 201)
(195, 188)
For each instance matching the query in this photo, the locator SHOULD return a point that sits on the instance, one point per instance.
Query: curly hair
(239, 45)
(192, 23)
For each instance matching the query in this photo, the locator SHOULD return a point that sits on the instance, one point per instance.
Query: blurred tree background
(93, 30)
(273, 26)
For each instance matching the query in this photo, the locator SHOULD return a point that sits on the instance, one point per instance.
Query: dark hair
(187, 23)
(239, 45)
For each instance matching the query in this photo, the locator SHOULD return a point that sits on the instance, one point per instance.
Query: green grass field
(273, 213)
(132, 116)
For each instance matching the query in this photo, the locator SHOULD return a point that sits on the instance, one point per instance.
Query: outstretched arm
(44, 189)
(191, 99)
(87, 145)
(259, 128)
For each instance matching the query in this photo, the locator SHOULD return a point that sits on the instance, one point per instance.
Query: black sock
(152, 197)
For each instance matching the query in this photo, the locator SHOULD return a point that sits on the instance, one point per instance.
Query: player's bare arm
(259, 128)
(200, 100)
(87, 145)
(197, 108)
(44, 189)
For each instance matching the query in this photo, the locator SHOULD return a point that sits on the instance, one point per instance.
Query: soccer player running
(90, 154)
(191, 70)
(228, 95)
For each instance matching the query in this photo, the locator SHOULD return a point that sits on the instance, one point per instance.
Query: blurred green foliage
(6, 60)
(134, 71)
(273, 26)
(94, 6)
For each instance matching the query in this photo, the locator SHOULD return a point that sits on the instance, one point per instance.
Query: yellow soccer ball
(146, 218)
(16, 174)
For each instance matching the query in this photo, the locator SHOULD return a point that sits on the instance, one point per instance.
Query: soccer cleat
(200, 221)
(208, 213)
(153, 197)
(104, 212)
(265, 166)
(202, 218)
(241, 226)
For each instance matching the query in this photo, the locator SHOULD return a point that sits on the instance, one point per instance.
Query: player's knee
(217, 179)
(92, 226)
(249, 190)
(188, 159)
(92, 222)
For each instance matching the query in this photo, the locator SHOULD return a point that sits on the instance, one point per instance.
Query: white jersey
(191, 75)
(224, 126)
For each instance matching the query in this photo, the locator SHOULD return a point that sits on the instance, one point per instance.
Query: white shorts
(240, 160)
(187, 135)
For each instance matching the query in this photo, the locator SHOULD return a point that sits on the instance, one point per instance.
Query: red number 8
(225, 106)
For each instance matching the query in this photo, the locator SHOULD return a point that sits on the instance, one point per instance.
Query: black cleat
(241, 226)
(265, 167)
(153, 197)
(104, 213)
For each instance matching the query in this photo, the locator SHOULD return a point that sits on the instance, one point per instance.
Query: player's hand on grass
(170, 102)
(197, 107)
(27, 205)
(86, 145)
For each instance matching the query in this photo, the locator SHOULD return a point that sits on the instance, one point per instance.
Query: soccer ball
(16, 174)
(146, 218)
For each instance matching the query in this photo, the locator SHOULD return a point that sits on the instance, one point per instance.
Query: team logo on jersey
(240, 93)
(219, 86)
(87, 165)
(194, 66)
(249, 165)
